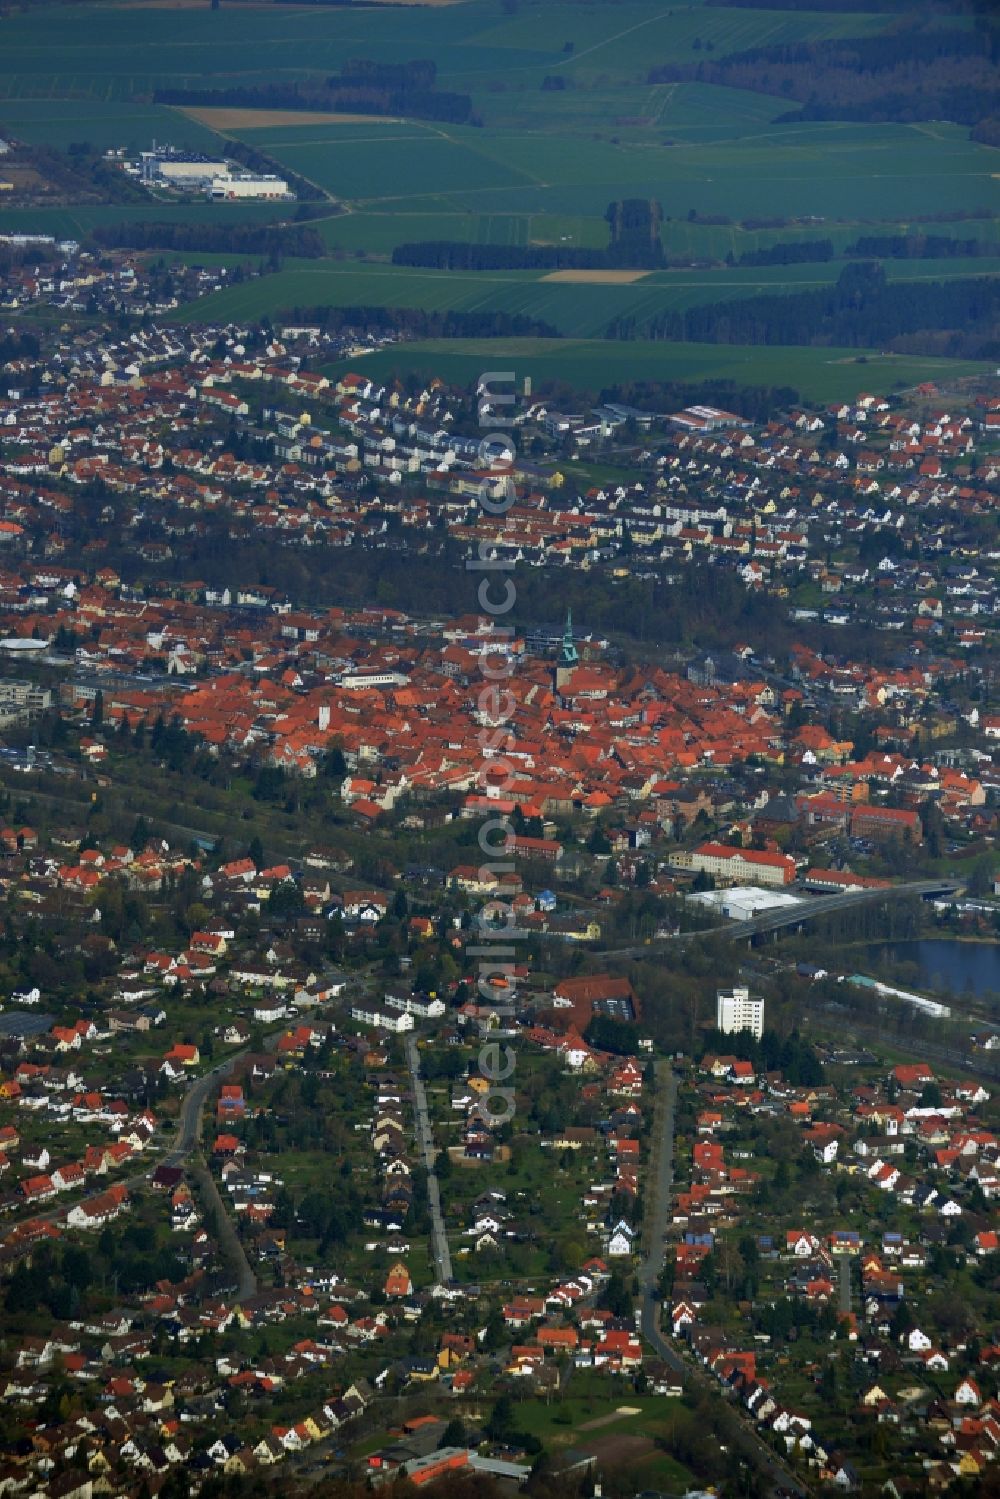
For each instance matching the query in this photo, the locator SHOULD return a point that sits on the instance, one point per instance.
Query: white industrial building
(216, 176)
(224, 186)
(743, 902)
(179, 169)
(736, 1011)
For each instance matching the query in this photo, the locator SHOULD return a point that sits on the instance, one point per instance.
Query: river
(942, 964)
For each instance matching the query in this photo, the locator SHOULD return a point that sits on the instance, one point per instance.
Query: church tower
(568, 656)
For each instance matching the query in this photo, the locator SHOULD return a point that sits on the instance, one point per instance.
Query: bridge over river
(796, 916)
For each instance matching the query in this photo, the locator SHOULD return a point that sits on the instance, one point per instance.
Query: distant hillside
(960, 318)
(916, 73)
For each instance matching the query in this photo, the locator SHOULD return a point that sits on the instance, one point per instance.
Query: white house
(620, 1239)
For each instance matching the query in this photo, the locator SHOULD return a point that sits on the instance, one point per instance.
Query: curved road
(187, 1134)
(187, 1141)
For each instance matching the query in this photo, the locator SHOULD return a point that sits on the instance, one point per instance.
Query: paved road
(844, 1268)
(188, 1130)
(186, 1144)
(425, 1139)
(187, 1137)
(229, 1239)
(657, 1211)
(786, 916)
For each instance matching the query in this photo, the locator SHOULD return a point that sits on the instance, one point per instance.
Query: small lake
(942, 964)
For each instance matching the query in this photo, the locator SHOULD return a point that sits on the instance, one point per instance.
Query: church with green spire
(569, 657)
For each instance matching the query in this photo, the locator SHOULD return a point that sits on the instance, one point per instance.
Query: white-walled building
(386, 1020)
(225, 185)
(736, 1011)
(421, 1006)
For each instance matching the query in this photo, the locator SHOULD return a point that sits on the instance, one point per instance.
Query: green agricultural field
(592, 365)
(114, 51)
(577, 309)
(829, 171)
(378, 232)
(75, 222)
(60, 122)
(539, 166)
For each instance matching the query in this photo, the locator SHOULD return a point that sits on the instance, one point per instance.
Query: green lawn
(562, 1421)
(568, 1422)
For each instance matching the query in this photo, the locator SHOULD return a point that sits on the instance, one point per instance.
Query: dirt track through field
(219, 118)
(596, 278)
(609, 1420)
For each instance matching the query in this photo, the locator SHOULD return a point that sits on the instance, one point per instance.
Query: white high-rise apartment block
(736, 1011)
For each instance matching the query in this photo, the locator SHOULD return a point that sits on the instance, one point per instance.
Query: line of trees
(787, 252)
(918, 247)
(839, 7)
(236, 239)
(868, 247)
(363, 87)
(635, 232)
(465, 255)
(634, 242)
(417, 322)
(791, 1055)
(912, 73)
(17, 344)
(987, 132)
(862, 309)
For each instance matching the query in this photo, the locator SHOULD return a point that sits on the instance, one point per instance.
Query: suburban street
(187, 1139)
(425, 1139)
(658, 1210)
